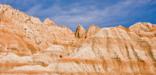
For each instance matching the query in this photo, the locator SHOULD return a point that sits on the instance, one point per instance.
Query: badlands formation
(31, 47)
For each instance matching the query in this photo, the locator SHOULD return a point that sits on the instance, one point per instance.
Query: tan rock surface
(31, 47)
(80, 32)
(49, 22)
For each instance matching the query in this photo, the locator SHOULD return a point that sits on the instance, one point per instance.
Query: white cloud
(87, 14)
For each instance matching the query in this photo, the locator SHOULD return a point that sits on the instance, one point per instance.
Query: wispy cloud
(90, 13)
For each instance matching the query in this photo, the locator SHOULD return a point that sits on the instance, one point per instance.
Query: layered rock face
(31, 47)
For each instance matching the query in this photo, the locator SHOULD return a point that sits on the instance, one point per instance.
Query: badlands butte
(31, 47)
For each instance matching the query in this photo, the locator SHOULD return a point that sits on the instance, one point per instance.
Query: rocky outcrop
(80, 32)
(43, 34)
(31, 47)
(92, 30)
(49, 22)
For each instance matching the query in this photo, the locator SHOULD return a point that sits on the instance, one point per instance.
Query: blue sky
(104, 13)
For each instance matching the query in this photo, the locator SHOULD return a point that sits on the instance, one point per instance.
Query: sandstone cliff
(29, 46)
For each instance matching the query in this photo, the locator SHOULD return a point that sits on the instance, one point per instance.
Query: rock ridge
(31, 47)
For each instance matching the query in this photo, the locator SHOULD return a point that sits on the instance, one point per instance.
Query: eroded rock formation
(29, 46)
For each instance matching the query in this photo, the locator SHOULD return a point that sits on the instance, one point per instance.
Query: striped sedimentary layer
(29, 46)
